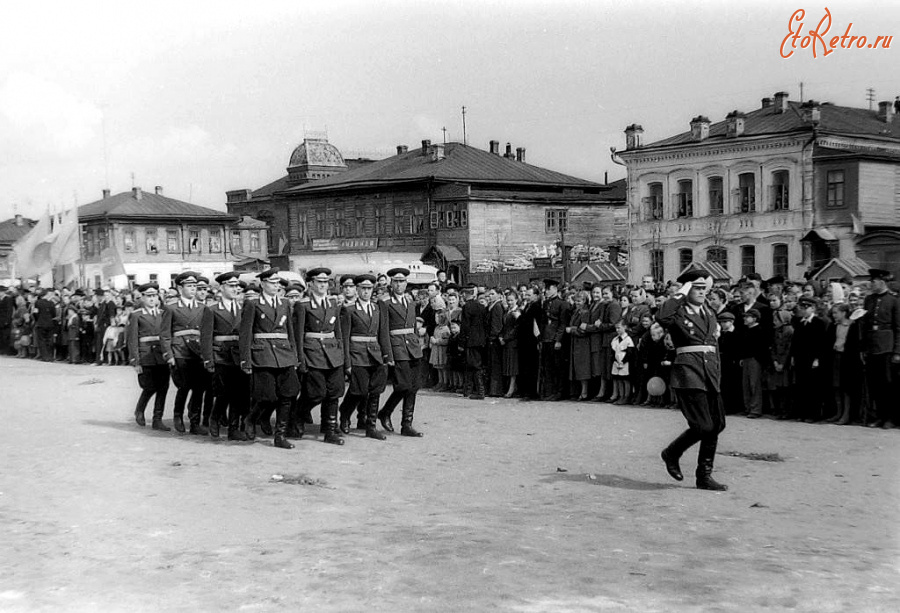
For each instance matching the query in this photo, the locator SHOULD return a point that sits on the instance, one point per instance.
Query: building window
(360, 221)
(779, 191)
(417, 220)
(194, 241)
(153, 277)
(151, 241)
(131, 281)
(748, 260)
(780, 260)
(556, 220)
(173, 245)
(399, 221)
(320, 223)
(128, 241)
(716, 196)
(654, 202)
(657, 261)
(380, 225)
(719, 255)
(684, 199)
(254, 241)
(835, 188)
(685, 258)
(267, 217)
(746, 193)
(236, 246)
(215, 241)
(87, 242)
(337, 228)
(103, 238)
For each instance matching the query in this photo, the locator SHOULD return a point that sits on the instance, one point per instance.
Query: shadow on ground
(616, 481)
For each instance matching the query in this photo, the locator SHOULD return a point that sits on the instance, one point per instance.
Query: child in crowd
(652, 353)
(73, 333)
(623, 356)
(438, 359)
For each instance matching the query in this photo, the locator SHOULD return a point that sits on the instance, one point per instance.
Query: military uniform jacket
(311, 317)
(217, 325)
(557, 311)
(401, 319)
(473, 325)
(355, 322)
(495, 320)
(699, 370)
(260, 317)
(143, 325)
(181, 317)
(881, 324)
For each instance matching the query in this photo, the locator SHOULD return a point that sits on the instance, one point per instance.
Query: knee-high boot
(368, 410)
(409, 408)
(329, 422)
(676, 449)
(384, 415)
(705, 459)
(234, 423)
(180, 400)
(250, 421)
(141, 406)
(159, 406)
(282, 413)
(296, 427)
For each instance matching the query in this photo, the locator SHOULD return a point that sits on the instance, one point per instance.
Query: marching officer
(367, 351)
(268, 354)
(881, 338)
(695, 377)
(208, 394)
(219, 334)
(320, 353)
(180, 336)
(348, 288)
(145, 353)
(401, 320)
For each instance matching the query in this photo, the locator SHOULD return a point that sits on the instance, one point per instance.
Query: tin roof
(127, 205)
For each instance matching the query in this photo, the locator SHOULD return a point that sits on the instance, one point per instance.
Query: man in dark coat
(401, 320)
(320, 354)
(473, 335)
(269, 356)
(219, 335)
(695, 378)
(45, 325)
(881, 342)
(495, 313)
(808, 354)
(367, 351)
(142, 337)
(530, 324)
(7, 308)
(106, 312)
(553, 365)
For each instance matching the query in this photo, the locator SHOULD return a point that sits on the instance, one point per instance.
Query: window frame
(173, 234)
(833, 200)
(720, 209)
(747, 193)
(151, 248)
(748, 252)
(129, 240)
(781, 261)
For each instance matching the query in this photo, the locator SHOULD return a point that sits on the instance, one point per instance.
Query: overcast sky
(204, 97)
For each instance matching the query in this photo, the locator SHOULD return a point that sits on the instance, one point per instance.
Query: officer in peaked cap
(348, 288)
(367, 351)
(553, 368)
(696, 374)
(293, 293)
(881, 343)
(407, 354)
(142, 336)
(180, 340)
(208, 399)
(320, 353)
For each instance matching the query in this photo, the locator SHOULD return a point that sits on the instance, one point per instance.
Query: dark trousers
(751, 376)
(190, 378)
(153, 380)
(406, 386)
(44, 343)
(705, 416)
(75, 352)
(231, 389)
(881, 380)
(6, 340)
(550, 370)
(809, 384)
(495, 368)
(366, 382)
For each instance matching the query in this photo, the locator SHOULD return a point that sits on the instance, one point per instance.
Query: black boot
(345, 411)
(234, 425)
(368, 410)
(178, 422)
(409, 408)
(264, 421)
(158, 409)
(384, 415)
(671, 454)
(296, 427)
(362, 408)
(478, 381)
(214, 419)
(705, 467)
(250, 424)
(282, 414)
(330, 422)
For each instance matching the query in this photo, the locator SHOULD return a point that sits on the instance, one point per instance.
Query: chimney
(605, 177)
(158, 190)
(766, 103)
(734, 125)
(509, 154)
(106, 193)
(401, 149)
(886, 111)
(437, 153)
(520, 154)
(137, 193)
(810, 112)
(699, 128)
(633, 139)
(495, 147)
(20, 221)
(781, 102)
(425, 145)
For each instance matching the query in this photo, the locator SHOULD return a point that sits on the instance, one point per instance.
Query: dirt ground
(503, 505)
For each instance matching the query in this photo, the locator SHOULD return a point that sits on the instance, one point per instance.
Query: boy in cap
(367, 351)
(405, 349)
(180, 336)
(219, 335)
(881, 342)
(269, 355)
(808, 352)
(320, 355)
(696, 374)
(142, 336)
(754, 360)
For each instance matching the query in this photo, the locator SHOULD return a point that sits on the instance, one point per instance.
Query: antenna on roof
(465, 140)
(870, 96)
(444, 130)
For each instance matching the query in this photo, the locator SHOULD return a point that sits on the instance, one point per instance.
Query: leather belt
(264, 335)
(226, 337)
(695, 349)
(148, 339)
(319, 335)
(186, 333)
(364, 339)
(402, 332)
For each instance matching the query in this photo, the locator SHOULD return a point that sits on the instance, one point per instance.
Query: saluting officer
(219, 335)
(367, 351)
(180, 336)
(695, 378)
(881, 338)
(401, 320)
(268, 354)
(145, 353)
(321, 352)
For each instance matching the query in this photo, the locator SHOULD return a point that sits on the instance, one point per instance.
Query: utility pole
(444, 130)
(801, 92)
(870, 96)
(465, 140)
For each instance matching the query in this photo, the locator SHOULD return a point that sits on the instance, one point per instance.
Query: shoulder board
(304, 300)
